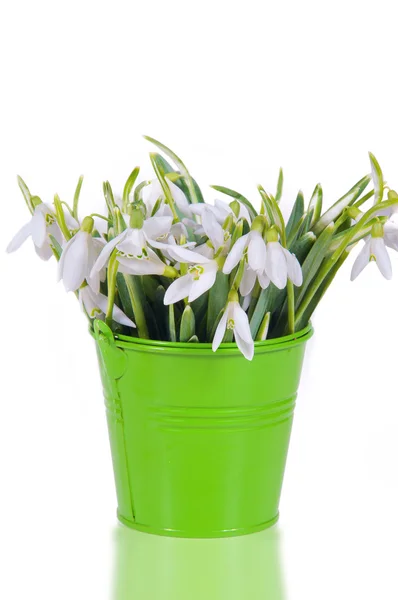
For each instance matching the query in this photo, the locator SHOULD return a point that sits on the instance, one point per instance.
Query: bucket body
(199, 439)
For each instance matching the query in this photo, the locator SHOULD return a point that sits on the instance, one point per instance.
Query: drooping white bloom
(236, 319)
(133, 248)
(281, 265)
(201, 276)
(253, 247)
(154, 191)
(77, 260)
(96, 304)
(221, 210)
(373, 250)
(39, 228)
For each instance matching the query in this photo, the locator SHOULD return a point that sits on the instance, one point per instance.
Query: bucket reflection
(150, 567)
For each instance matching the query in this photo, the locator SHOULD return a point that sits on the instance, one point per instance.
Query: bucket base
(202, 534)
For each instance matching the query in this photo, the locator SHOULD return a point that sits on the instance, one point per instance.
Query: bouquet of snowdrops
(172, 267)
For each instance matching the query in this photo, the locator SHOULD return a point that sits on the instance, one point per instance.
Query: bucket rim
(190, 348)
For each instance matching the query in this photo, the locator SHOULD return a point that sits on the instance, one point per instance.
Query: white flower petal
(45, 252)
(107, 251)
(100, 301)
(275, 265)
(248, 281)
(188, 256)
(152, 265)
(247, 348)
(20, 237)
(361, 260)
(201, 285)
(294, 271)
(179, 289)
(220, 331)
(246, 302)
(244, 213)
(263, 280)
(235, 253)
(205, 250)
(256, 251)
(74, 267)
(38, 228)
(213, 229)
(156, 227)
(241, 321)
(379, 250)
(180, 199)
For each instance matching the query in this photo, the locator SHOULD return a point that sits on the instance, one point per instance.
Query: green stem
(165, 188)
(77, 196)
(290, 305)
(59, 212)
(100, 217)
(136, 303)
(112, 272)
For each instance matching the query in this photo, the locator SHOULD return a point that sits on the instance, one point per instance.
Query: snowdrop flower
(373, 250)
(280, 264)
(252, 247)
(201, 276)
(222, 210)
(236, 319)
(96, 304)
(219, 238)
(78, 257)
(153, 192)
(134, 254)
(39, 228)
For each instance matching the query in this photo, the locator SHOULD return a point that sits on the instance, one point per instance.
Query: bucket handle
(114, 357)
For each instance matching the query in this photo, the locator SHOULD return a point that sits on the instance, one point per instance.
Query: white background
(237, 89)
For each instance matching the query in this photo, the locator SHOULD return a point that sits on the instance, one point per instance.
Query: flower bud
(87, 225)
(235, 206)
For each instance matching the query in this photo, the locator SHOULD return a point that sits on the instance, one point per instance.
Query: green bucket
(198, 439)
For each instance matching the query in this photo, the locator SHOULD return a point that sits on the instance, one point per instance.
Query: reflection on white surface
(149, 567)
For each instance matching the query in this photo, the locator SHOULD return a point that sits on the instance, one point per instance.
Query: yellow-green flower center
(196, 271)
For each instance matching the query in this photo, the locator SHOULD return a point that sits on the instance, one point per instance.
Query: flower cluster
(172, 267)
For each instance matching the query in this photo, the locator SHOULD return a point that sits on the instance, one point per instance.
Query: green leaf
(334, 211)
(138, 190)
(109, 198)
(193, 339)
(150, 285)
(133, 298)
(301, 247)
(377, 176)
(161, 312)
(279, 187)
(218, 296)
(237, 196)
(295, 216)
(172, 324)
(129, 186)
(178, 179)
(321, 291)
(314, 259)
(25, 192)
(263, 331)
(263, 303)
(76, 197)
(57, 248)
(178, 162)
(315, 205)
(187, 325)
(274, 212)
